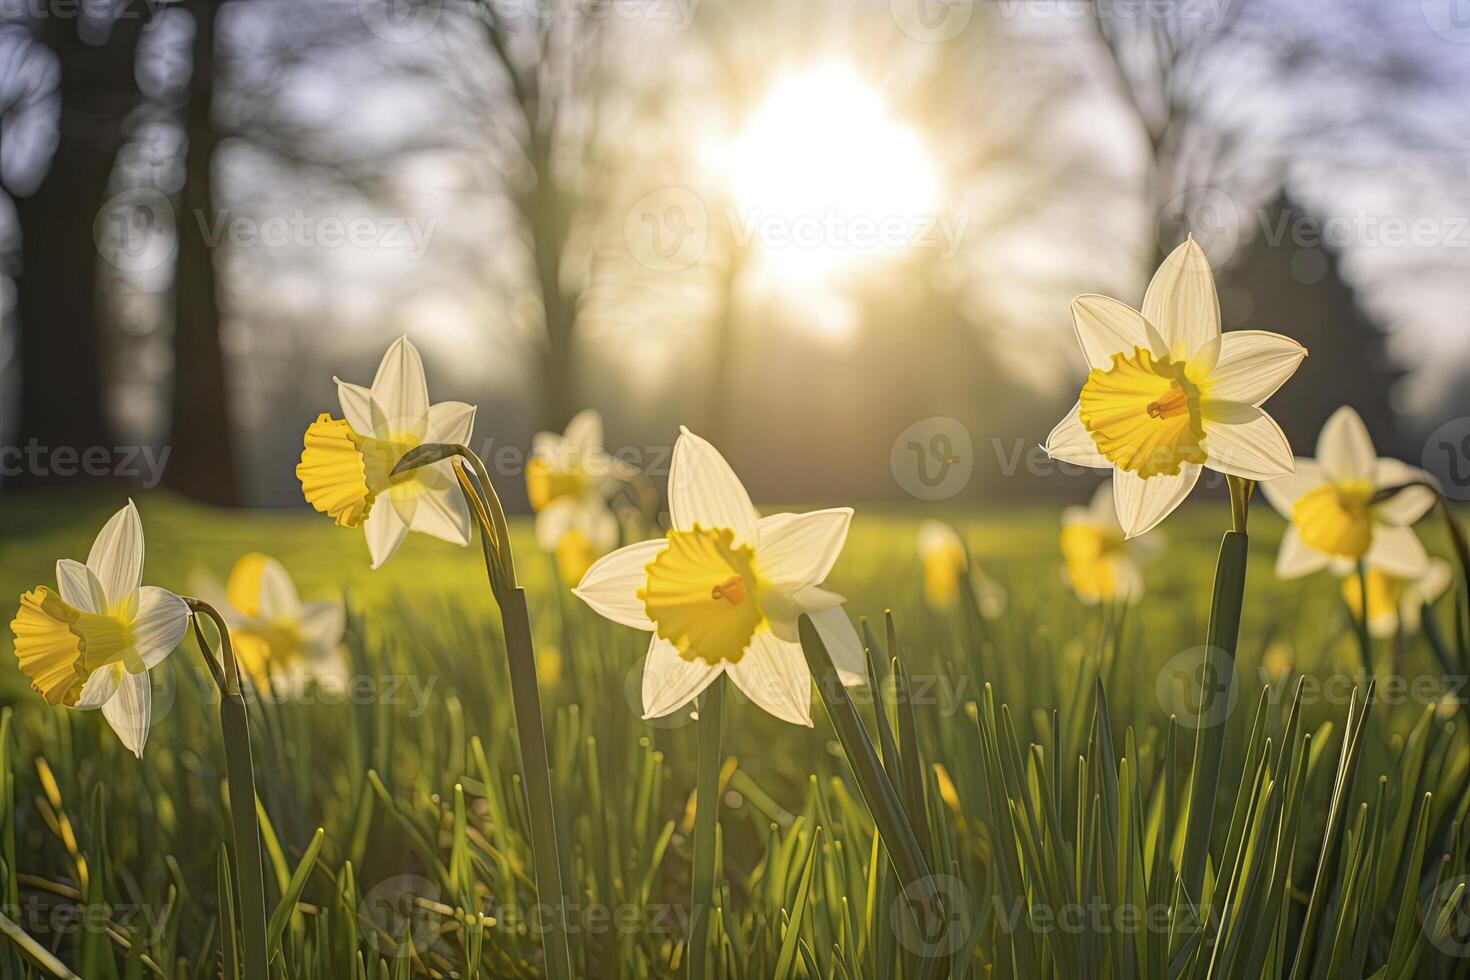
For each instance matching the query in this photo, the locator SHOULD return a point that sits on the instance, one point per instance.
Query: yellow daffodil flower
(91, 642)
(1397, 603)
(346, 463)
(567, 479)
(276, 636)
(1102, 564)
(721, 592)
(1168, 394)
(943, 558)
(1334, 522)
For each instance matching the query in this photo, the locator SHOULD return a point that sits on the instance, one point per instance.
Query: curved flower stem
(1217, 681)
(525, 689)
(240, 776)
(706, 823)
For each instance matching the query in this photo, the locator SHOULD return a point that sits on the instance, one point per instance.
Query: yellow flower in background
(944, 558)
(90, 643)
(1334, 522)
(1103, 564)
(1396, 603)
(274, 633)
(1168, 394)
(567, 479)
(346, 464)
(721, 592)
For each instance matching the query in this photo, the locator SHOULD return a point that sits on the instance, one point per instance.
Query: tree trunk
(203, 460)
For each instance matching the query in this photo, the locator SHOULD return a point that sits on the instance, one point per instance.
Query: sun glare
(822, 175)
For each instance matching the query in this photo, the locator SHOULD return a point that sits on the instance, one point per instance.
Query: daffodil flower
(723, 590)
(1103, 564)
(944, 559)
(567, 480)
(91, 642)
(1334, 521)
(347, 463)
(1168, 394)
(1396, 603)
(275, 635)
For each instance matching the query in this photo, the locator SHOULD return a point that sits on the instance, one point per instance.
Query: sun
(822, 175)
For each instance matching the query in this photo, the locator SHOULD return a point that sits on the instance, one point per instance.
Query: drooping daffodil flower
(1334, 521)
(1397, 604)
(276, 636)
(1168, 394)
(1102, 564)
(944, 559)
(347, 463)
(567, 480)
(723, 590)
(90, 642)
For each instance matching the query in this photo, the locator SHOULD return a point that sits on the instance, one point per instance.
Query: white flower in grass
(1397, 604)
(1169, 395)
(723, 590)
(1329, 502)
(347, 464)
(944, 560)
(90, 643)
(567, 481)
(1102, 564)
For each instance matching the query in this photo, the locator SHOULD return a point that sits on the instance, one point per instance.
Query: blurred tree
(92, 85)
(201, 424)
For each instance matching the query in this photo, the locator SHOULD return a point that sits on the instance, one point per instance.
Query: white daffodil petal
(442, 514)
(704, 490)
(1106, 326)
(840, 638)
(1296, 558)
(100, 687)
(1284, 491)
(450, 423)
(323, 623)
(1435, 583)
(1253, 364)
(669, 681)
(1141, 504)
(1345, 449)
(800, 549)
(1182, 304)
(584, 432)
(158, 628)
(384, 531)
(554, 521)
(774, 675)
(130, 711)
(1397, 551)
(1072, 443)
(935, 536)
(117, 555)
(611, 585)
(278, 596)
(357, 405)
(1255, 450)
(80, 586)
(400, 391)
(1407, 506)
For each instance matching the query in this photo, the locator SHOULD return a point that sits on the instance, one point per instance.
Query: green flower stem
(878, 793)
(240, 776)
(1365, 637)
(525, 689)
(1217, 682)
(706, 820)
